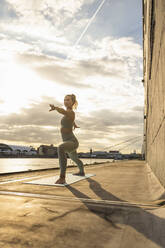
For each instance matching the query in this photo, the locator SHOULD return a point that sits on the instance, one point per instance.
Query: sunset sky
(40, 63)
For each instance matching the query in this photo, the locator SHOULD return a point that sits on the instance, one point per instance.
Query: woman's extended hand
(75, 126)
(52, 107)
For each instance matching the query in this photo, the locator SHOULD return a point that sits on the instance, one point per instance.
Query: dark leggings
(69, 147)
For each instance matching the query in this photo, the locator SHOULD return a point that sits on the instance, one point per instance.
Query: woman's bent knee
(67, 146)
(60, 148)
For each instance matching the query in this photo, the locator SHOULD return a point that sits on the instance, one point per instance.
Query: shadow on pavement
(146, 223)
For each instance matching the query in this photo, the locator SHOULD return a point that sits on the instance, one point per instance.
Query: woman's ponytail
(74, 100)
(75, 103)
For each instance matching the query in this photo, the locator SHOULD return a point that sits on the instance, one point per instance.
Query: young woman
(70, 142)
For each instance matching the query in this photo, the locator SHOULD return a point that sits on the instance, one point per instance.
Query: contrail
(87, 26)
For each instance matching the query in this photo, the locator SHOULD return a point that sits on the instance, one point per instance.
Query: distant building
(102, 154)
(84, 154)
(114, 152)
(115, 155)
(5, 149)
(99, 154)
(45, 150)
(17, 150)
(110, 154)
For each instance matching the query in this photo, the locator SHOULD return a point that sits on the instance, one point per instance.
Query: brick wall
(154, 84)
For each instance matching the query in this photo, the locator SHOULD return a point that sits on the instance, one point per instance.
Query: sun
(19, 86)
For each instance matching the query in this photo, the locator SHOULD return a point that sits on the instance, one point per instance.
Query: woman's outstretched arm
(69, 113)
(60, 110)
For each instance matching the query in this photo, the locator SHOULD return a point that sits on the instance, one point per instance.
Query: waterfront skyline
(40, 63)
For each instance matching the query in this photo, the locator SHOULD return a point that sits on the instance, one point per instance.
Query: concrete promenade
(121, 207)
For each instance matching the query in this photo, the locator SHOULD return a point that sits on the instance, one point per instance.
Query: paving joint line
(103, 203)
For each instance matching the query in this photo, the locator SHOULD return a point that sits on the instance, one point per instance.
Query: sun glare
(20, 85)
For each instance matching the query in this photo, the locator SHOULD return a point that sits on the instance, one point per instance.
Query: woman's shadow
(152, 229)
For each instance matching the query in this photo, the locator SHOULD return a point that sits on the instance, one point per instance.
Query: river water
(9, 165)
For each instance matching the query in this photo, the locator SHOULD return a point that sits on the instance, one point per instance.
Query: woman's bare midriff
(66, 130)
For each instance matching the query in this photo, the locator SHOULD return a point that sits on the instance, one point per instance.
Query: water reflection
(25, 164)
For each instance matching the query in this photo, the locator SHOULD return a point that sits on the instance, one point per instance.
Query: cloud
(36, 125)
(105, 120)
(61, 75)
(73, 73)
(121, 47)
(37, 114)
(104, 70)
(126, 47)
(30, 134)
(47, 11)
(111, 58)
(138, 108)
(106, 127)
(11, 47)
(103, 66)
(7, 11)
(33, 59)
(32, 125)
(78, 72)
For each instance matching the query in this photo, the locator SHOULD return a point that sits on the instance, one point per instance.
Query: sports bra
(66, 122)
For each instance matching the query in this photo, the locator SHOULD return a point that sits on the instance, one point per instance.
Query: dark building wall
(154, 84)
